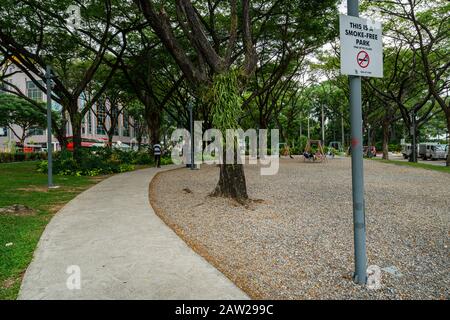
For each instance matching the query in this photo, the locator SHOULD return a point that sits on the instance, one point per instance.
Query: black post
(49, 126)
(191, 125)
(413, 134)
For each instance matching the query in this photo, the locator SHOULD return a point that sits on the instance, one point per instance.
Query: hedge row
(22, 156)
(98, 161)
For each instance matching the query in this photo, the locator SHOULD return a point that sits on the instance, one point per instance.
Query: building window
(33, 91)
(101, 117)
(3, 132)
(36, 131)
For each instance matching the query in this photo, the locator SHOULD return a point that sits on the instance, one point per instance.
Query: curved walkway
(123, 251)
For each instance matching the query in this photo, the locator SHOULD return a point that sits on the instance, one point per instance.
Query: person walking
(157, 154)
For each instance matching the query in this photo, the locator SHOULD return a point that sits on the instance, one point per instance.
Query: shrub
(296, 150)
(42, 166)
(123, 156)
(98, 161)
(126, 167)
(379, 146)
(166, 161)
(332, 151)
(394, 147)
(299, 145)
(22, 156)
(142, 158)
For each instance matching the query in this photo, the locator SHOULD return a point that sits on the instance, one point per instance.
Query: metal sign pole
(342, 129)
(414, 140)
(49, 127)
(359, 223)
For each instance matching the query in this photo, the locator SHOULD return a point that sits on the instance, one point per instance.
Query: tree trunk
(75, 120)
(110, 138)
(60, 130)
(22, 138)
(386, 132)
(231, 182)
(232, 179)
(153, 119)
(61, 137)
(262, 123)
(413, 149)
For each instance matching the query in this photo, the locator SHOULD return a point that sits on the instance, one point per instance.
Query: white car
(99, 145)
(432, 151)
(122, 146)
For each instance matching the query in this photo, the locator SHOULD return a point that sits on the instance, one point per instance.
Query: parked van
(406, 150)
(432, 151)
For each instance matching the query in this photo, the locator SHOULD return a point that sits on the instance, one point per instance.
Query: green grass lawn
(416, 165)
(21, 184)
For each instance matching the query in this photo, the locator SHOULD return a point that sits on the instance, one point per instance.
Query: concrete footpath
(121, 249)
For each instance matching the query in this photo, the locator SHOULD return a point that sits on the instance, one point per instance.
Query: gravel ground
(295, 239)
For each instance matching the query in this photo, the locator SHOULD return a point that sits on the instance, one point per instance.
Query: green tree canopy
(17, 111)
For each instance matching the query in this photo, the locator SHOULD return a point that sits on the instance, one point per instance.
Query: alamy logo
(373, 277)
(239, 147)
(73, 281)
(73, 19)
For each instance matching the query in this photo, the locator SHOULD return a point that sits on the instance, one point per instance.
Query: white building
(92, 127)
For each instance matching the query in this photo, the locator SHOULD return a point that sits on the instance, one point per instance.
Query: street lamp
(413, 134)
(369, 143)
(191, 126)
(48, 78)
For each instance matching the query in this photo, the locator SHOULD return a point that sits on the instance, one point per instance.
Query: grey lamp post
(48, 78)
(342, 130)
(191, 126)
(413, 134)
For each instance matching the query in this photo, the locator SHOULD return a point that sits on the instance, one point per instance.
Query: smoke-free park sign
(361, 47)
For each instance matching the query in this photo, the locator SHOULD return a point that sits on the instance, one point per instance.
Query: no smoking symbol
(363, 59)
